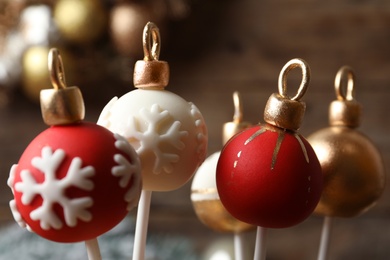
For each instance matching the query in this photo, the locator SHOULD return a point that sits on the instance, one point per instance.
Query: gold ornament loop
(345, 111)
(151, 73)
(60, 105)
(237, 125)
(348, 73)
(282, 82)
(238, 110)
(151, 42)
(56, 69)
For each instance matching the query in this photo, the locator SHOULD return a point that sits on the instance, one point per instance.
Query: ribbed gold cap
(283, 111)
(151, 73)
(60, 105)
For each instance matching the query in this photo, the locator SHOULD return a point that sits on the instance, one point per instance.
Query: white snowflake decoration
(12, 204)
(52, 190)
(127, 171)
(152, 138)
(104, 118)
(202, 132)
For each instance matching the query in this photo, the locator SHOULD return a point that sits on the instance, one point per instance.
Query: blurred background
(213, 48)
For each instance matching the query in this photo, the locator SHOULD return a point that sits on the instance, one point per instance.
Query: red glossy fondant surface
(95, 146)
(266, 186)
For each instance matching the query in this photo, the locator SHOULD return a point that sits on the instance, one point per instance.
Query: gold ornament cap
(151, 73)
(61, 105)
(345, 111)
(237, 125)
(283, 111)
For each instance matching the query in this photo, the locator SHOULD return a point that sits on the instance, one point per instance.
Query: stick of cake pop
(325, 238)
(142, 225)
(269, 175)
(63, 191)
(239, 243)
(204, 194)
(354, 178)
(93, 250)
(261, 244)
(168, 133)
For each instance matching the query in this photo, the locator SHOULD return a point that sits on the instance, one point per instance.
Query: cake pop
(268, 175)
(76, 180)
(354, 176)
(204, 194)
(168, 133)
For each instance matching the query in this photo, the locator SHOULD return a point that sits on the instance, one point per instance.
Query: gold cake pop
(354, 175)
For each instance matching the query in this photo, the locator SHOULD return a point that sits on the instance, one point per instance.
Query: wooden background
(224, 46)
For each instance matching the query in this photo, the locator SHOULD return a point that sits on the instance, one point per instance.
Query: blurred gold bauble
(80, 21)
(354, 175)
(352, 168)
(214, 215)
(127, 21)
(35, 75)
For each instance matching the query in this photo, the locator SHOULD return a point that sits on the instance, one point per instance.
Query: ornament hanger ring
(282, 82)
(56, 69)
(344, 72)
(151, 42)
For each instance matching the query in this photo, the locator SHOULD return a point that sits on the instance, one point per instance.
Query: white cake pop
(168, 133)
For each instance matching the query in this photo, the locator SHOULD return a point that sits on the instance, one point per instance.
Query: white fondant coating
(52, 190)
(105, 115)
(205, 175)
(168, 133)
(204, 185)
(128, 171)
(205, 195)
(202, 131)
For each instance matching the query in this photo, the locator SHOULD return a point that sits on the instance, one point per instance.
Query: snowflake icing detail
(104, 118)
(201, 137)
(127, 171)
(152, 138)
(52, 190)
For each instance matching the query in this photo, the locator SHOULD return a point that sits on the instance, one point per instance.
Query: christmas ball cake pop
(76, 180)
(168, 133)
(354, 175)
(204, 193)
(269, 175)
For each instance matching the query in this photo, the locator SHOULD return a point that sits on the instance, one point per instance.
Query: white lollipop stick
(261, 244)
(325, 235)
(239, 253)
(141, 226)
(93, 250)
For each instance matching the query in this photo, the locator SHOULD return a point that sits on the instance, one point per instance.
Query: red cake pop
(75, 180)
(269, 175)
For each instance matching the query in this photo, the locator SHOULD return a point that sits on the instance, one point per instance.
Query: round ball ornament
(75, 180)
(127, 21)
(354, 176)
(204, 193)
(34, 71)
(168, 133)
(268, 175)
(80, 21)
